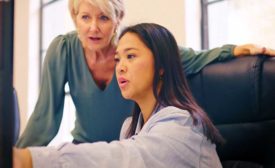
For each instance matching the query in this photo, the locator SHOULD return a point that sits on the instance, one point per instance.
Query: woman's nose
(122, 68)
(94, 26)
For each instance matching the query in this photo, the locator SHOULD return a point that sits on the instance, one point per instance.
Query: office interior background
(199, 24)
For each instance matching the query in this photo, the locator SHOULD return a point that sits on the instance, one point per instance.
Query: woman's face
(134, 67)
(95, 28)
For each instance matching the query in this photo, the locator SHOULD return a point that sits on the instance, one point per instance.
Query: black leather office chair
(239, 96)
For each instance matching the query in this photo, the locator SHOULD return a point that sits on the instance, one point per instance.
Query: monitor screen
(6, 84)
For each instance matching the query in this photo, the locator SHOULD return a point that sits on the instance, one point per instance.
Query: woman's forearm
(252, 49)
(22, 158)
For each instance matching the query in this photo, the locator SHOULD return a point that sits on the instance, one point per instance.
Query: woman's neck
(147, 105)
(101, 65)
(97, 56)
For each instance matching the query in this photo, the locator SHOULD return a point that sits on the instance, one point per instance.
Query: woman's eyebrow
(126, 49)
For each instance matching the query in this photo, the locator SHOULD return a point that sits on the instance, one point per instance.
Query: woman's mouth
(122, 82)
(95, 39)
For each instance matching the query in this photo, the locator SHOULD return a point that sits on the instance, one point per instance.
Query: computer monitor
(6, 82)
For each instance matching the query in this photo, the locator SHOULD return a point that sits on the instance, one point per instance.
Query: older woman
(84, 60)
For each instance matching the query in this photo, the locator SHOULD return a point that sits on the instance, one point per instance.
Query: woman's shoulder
(71, 36)
(68, 38)
(57, 51)
(125, 127)
(64, 44)
(172, 112)
(173, 116)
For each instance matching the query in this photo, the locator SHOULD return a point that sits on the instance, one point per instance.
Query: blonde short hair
(112, 8)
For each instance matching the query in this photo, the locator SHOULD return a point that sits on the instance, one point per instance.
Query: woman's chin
(126, 96)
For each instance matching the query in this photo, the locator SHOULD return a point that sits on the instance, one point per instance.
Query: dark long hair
(174, 90)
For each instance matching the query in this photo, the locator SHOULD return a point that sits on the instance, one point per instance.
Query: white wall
(252, 21)
(166, 13)
(21, 32)
(242, 21)
(26, 55)
(192, 23)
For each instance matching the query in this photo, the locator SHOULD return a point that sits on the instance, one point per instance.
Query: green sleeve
(45, 120)
(193, 61)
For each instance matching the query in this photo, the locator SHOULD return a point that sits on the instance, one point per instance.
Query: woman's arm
(193, 61)
(44, 122)
(252, 49)
(22, 158)
(154, 146)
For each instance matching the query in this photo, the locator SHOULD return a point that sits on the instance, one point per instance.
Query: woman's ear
(161, 72)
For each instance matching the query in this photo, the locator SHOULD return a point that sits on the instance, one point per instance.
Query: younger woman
(167, 129)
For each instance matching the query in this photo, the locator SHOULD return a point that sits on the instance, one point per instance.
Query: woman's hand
(21, 158)
(252, 49)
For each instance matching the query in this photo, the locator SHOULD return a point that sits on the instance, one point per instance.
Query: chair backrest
(239, 97)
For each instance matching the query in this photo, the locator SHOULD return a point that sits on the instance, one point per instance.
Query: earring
(114, 38)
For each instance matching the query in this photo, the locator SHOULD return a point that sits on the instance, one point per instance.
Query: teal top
(99, 113)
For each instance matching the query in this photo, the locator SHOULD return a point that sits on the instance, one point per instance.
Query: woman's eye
(130, 56)
(85, 17)
(104, 18)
